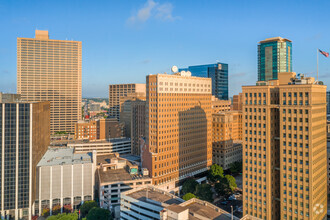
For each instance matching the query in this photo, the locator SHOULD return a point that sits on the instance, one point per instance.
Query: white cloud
(153, 9)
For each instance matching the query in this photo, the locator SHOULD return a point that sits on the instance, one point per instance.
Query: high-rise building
(50, 70)
(138, 125)
(218, 72)
(284, 149)
(237, 102)
(118, 90)
(178, 128)
(328, 101)
(274, 56)
(125, 114)
(25, 137)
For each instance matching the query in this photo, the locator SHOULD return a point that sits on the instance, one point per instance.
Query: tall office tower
(138, 125)
(25, 137)
(274, 56)
(328, 101)
(50, 70)
(237, 102)
(125, 114)
(178, 128)
(218, 72)
(118, 90)
(284, 149)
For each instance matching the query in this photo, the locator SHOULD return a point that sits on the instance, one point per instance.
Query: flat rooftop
(206, 212)
(156, 195)
(64, 156)
(110, 141)
(118, 175)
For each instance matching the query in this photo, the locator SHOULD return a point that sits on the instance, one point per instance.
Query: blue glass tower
(274, 56)
(218, 72)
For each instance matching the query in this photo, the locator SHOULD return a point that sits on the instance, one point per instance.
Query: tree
(56, 210)
(189, 186)
(64, 216)
(215, 173)
(204, 192)
(232, 182)
(98, 214)
(222, 187)
(87, 206)
(188, 196)
(235, 167)
(45, 212)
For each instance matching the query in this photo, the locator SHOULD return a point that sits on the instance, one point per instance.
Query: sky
(123, 41)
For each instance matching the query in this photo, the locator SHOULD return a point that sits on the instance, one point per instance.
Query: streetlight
(232, 212)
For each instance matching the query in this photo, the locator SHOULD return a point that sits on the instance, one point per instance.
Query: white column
(72, 198)
(51, 191)
(61, 189)
(82, 182)
(40, 186)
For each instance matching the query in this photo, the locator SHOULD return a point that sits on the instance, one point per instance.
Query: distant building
(126, 103)
(138, 125)
(85, 130)
(114, 145)
(8, 97)
(218, 72)
(99, 129)
(118, 90)
(94, 107)
(64, 178)
(152, 203)
(50, 70)
(237, 102)
(25, 135)
(274, 56)
(178, 128)
(220, 105)
(328, 102)
(116, 175)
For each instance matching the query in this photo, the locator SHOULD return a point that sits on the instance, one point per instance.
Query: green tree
(235, 167)
(189, 186)
(222, 187)
(86, 206)
(188, 196)
(215, 173)
(45, 212)
(232, 182)
(98, 214)
(204, 192)
(64, 216)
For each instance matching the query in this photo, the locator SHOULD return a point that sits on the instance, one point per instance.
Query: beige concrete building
(220, 105)
(64, 178)
(116, 175)
(284, 149)
(178, 128)
(50, 70)
(118, 90)
(109, 128)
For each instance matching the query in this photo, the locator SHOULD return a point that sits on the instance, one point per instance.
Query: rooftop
(151, 193)
(96, 142)
(63, 156)
(272, 39)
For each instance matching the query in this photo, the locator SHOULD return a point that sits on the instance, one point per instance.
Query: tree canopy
(64, 216)
(188, 196)
(222, 187)
(215, 173)
(204, 192)
(98, 214)
(236, 167)
(189, 186)
(87, 206)
(232, 182)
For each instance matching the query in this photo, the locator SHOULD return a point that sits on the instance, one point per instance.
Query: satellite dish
(174, 69)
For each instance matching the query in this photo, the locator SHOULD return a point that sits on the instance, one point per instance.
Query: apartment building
(178, 128)
(64, 178)
(25, 136)
(284, 148)
(50, 70)
(119, 90)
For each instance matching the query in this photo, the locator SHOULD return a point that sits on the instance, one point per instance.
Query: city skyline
(124, 42)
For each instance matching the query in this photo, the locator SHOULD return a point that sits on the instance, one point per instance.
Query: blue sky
(123, 41)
